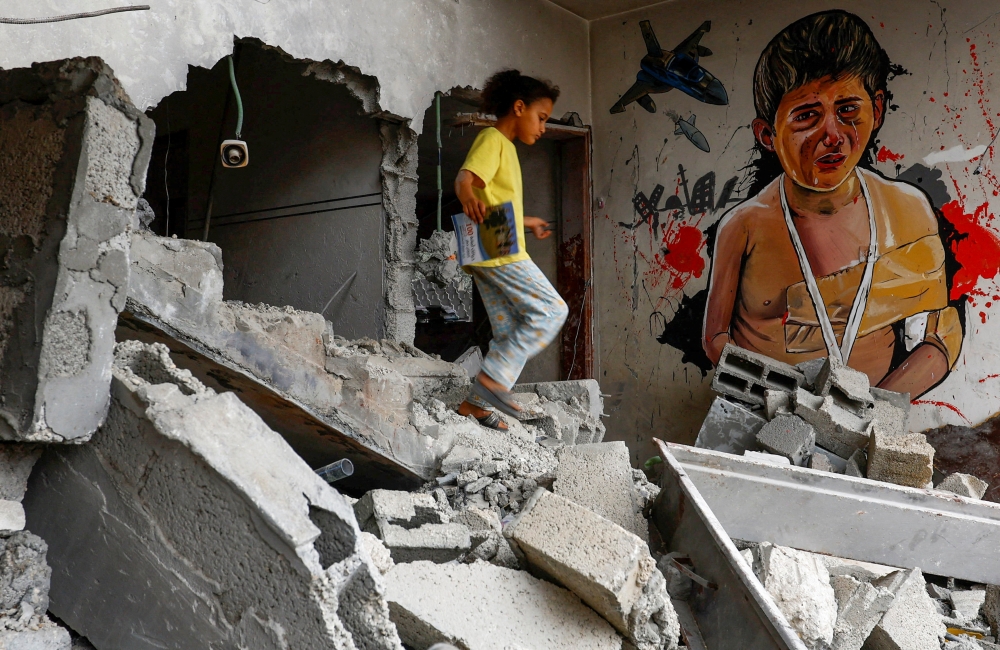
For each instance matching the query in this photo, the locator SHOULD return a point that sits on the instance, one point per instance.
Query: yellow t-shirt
(493, 158)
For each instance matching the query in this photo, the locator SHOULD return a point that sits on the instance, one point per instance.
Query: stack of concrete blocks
(187, 522)
(820, 414)
(839, 604)
(73, 157)
(568, 411)
(608, 567)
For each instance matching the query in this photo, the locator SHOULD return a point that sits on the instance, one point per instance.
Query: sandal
(492, 421)
(503, 401)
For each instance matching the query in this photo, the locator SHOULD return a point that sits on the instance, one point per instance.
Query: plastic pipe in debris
(336, 471)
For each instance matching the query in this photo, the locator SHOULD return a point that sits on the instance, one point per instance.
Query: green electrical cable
(239, 100)
(437, 110)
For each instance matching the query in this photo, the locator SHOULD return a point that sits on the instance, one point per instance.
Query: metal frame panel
(871, 521)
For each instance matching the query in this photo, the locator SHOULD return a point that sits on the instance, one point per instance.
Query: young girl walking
(525, 310)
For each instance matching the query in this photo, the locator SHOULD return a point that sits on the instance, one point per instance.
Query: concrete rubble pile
(822, 415)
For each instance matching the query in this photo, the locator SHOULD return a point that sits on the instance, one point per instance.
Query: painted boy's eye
(805, 115)
(849, 109)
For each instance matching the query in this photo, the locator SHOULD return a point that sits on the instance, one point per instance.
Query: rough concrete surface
(188, 523)
(911, 622)
(788, 436)
(860, 607)
(964, 485)
(484, 607)
(74, 152)
(599, 478)
(605, 565)
(837, 428)
(799, 583)
(849, 388)
(903, 460)
(729, 427)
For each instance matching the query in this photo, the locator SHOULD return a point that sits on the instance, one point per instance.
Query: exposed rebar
(59, 19)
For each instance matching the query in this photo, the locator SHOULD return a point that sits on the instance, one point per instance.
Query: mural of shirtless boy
(831, 258)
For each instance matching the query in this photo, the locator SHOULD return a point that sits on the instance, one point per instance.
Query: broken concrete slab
(586, 392)
(967, 603)
(848, 387)
(788, 436)
(770, 459)
(903, 460)
(599, 478)
(860, 606)
(847, 517)
(857, 464)
(729, 427)
(46, 636)
(73, 165)
(487, 607)
(912, 621)
(412, 526)
(821, 463)
(899, 400)
(837, 429)
(432, 542)
(964, 485)
(229, 535)
(991, 608)
(608, 567)
(745, 375)
(839, 464)
(777, 402)
(810, 369)
(799, 583)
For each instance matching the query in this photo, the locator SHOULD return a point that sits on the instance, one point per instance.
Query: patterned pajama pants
(526, 313)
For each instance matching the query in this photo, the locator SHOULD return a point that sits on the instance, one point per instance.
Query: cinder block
(860, 607)
(899, 400)
(837, 429)
(788, 436)
(912, 621)
(587, 393)
(484, 606)
(967, 603)
(839, 464)
(599, 478)
(903, 460)
(729, 427)
(848, 387)
(893, 420)
(964, 485)
(403, 509)
(811, 370)
(746, 375)
(608, 567)
(431, 542)
(821, 463)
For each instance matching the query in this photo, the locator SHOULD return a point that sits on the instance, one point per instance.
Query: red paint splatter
(987, 378)
(885, 155)
(682, 258)
(950, 407)
(975, 246)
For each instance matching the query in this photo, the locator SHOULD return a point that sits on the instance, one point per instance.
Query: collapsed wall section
(73, 156)
(188, 523)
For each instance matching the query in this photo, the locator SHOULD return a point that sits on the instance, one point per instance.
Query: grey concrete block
(893, 420)
(837, 429)
(839, 464)
(811, 370)
(860, 606)
(405, 509)
(899, 400)
(484, 606)
(431, 542)
(777, 402)
(967, 603)
(912, 621)
(903, 460)
(210, 511)
(857, 464)
(821, 463)
(729, 427)
(69, 137)
(788, 436)
(746, 375)
(964, 485)
(799, 583)
(848, 387)
(608, 567)
(599, 478)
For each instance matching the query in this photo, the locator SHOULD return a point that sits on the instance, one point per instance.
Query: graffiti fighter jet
(663, 70)
(691, 132)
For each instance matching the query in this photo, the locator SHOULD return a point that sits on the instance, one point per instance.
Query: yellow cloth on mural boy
(493, 159)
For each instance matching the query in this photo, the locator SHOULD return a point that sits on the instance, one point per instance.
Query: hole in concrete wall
(305, 214)
(543, 167)
(336, 539)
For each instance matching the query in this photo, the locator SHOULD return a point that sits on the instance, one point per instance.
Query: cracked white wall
(943, 108)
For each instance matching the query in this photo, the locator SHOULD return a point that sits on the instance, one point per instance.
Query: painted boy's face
(821, 130)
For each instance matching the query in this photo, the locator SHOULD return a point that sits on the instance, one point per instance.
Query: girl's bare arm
(723, 283)
(473, 207)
